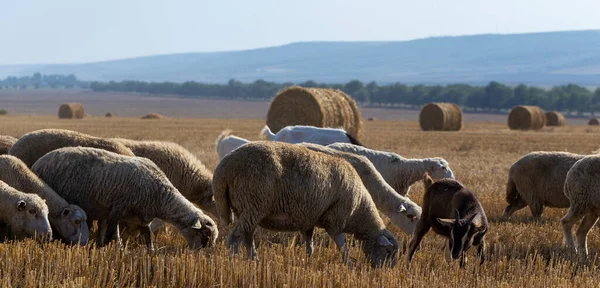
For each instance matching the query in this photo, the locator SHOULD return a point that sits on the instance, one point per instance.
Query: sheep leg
(147, 235)
(340, 242)
(567, 222)
(420, 231)
(112, 225)
(589, 220)
(243, 231)
(536, 208)
(101, 232)
(308, 237)
(250, 245)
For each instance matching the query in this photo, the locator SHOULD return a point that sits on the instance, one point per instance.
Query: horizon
(299, 42)
(74, 32)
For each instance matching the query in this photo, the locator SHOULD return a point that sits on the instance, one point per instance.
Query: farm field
(520, 252)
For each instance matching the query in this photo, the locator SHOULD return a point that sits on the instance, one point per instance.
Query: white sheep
(398, 171)
(582, 188)
(309, 134)
(22, 215)
(68, 221)
(227, 143)
(403, 212)
(35, 144)
(286, 187)
(111, 187)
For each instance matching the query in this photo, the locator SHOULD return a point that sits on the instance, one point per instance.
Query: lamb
(183, 169)
(68, 221)
(285, 187)
(22, 215)
(455, 213)
(310, 134)
(537, 179)
(227, 143)
(6, 142)
(35, 144)
(111, 187)
(403, 212)
(582, 188)
(398, 171)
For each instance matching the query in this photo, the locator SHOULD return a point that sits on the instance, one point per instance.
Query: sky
(76, 31)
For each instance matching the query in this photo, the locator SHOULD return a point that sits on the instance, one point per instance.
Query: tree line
(494, 96)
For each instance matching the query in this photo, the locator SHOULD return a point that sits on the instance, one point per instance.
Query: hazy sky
(70, 31)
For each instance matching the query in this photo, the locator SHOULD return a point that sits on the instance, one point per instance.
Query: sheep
(68, 221)
(398, 171)
(227, 143)
(300, 133)
(582, 188)
(403, 212)
(6, 142)
(35, 144)
(537, 179)
(455, 213)
(285, 187)
(111, 187)
(22, 215)
(183, 169)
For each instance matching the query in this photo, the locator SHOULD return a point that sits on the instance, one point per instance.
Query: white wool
(309, 134)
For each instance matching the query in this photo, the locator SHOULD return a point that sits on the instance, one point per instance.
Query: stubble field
(520, 252)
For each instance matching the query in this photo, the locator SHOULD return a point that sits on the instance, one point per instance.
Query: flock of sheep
(54, 183)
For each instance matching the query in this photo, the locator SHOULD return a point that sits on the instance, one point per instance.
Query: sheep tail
(221, 194)
(266, 133)
(512, 194)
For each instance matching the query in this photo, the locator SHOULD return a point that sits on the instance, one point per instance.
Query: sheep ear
(446, 222)
(21, 205)
(427, 180)
(197, 224)
(383, 241)
(402, 209)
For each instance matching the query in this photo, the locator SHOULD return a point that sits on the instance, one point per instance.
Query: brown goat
(453, 212)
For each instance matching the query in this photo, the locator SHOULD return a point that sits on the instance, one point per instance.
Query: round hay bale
(108, 115)
(316, 107)
(153, 116)
(71, 111)
(555, 118)
(440, 117)
(594, 121)
(526, 118)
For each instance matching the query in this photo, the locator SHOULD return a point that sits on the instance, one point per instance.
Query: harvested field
(520, 252)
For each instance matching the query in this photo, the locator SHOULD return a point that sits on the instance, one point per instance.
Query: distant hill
(537, 58)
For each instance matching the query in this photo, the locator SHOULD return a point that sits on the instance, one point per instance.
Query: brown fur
(441, 201)
(6, 142)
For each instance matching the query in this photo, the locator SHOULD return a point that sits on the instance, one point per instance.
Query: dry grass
(521, 252)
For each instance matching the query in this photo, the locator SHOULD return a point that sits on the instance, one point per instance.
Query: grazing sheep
(286, 187)
(6, 142)
(455, 213)
(112, 187)
(183, 169)
(537, 179)
(403, 212)
(310, 134)
(398, 171)
(227, 143)
(582, 188)
(35, 144)
(22, 215)
(68, 221)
